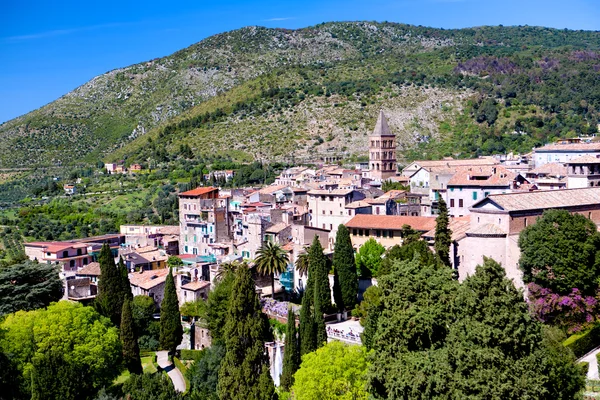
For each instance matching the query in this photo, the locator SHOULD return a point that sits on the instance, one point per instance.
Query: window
(451, 202)
(377, 233)
(354, 232)
(474, 195)
(65, 254)
(486, 194)
(525, 222)
(323, 212)
(185, 249)
(330, 212)
(323, 226)
(377, 210)
(391, 234)
(460, 202)
(330, 227)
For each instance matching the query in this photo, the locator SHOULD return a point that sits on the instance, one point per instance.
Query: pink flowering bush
(572, 312)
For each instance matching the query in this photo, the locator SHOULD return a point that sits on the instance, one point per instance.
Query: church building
(382, 151)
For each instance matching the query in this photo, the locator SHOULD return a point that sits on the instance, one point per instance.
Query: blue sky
(48, 48)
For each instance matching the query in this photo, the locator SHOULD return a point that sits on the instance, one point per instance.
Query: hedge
(598, 362)
(582, 343)
(585, 366)
(191, 354)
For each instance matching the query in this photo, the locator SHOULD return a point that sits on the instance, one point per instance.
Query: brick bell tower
(382, 151)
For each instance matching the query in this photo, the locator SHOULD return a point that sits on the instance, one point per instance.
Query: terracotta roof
(92, 269)
(367, 221)
(53, 247)
(271, 189)
(451, 163)
(256, 204)
(458, 226)
(487, 230)
(148, 279)
(488, 176)
(570, 147)
(587, 159)
(199, 191)
(554, 169)
(381, 126)
(358, 204)
(392, 194)
(544, 199)
(289, 246)
(193, 286)
(334, 192)
(277, 227)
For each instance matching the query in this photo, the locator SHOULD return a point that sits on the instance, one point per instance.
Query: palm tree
(271, 259)
(302, 264)
(225, 269)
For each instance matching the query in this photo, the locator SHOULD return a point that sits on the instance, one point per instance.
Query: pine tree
(171, 332)
(109, 301)
(244, 372)
(131, 350)
(443, 235)
(291, 356)
(344, 268)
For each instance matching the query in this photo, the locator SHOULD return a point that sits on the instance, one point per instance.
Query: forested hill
(258, 93)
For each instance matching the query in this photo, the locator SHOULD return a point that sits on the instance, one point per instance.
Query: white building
(564, 152)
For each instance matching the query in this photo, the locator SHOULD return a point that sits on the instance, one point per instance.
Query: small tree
(131, 350)
(368, 258)
(320, 271)
(307, 329)
(244, 372)
(171, 332)
(125, 285)
(443, 235)
(344, 267)
(291, 357)
(271, 260)
(174, 262)
(109, 301)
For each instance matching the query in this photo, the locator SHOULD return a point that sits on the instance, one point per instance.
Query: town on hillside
(486, 203)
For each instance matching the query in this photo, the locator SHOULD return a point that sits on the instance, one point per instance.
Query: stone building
(382, 151)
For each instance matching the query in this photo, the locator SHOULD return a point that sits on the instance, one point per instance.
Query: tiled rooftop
(544, 199)
(366, 221)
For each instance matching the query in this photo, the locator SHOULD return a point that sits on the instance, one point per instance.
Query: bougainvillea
(573, 312)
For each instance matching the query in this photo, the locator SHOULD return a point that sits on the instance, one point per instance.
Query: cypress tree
(291, 356)
(131, 350)
(307, 332)
(109, 301)
(344, 268)
(171, 332)
(244, 372)
(443, 235)
(125, 286)
(318, 267)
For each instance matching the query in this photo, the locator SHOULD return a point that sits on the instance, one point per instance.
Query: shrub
(585, 366)
(581, 343)
(192, 354)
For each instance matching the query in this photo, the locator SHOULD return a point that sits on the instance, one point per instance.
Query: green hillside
(258, 93)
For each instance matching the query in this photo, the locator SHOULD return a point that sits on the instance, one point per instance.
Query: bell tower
(382, 151)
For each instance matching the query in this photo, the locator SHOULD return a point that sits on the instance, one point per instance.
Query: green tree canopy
(29, 286)
(344, 268)
(291, 356)
(150, 387)
(271, 259)
(143, 309)
(66, 333)
(109, 301)
(174, 262)
(560, 252)
(407, 252)
(244, 372)
(217, 304)
(443, 235)
(469, 340)
(335, 371)
(131, 350)
(171, 331)
(204, 373)
(368, 258)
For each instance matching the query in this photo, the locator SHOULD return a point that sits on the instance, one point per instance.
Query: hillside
(258, 93)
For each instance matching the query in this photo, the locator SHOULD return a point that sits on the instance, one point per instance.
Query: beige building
(385, 228)
(497, 221)
(203, 220)
(382, 151)
(583, 172)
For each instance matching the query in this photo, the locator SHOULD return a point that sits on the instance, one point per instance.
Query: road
(162, 358)
(590, 358)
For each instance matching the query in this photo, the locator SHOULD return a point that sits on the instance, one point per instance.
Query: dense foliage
(113, 286)
(150, 387)
(291, 356)
(129, 340)
(368, 258)
(171, 331)
(344, 268)
(204, 373)
(443, 235)
(82, 345)
(29, 286)
(244, 371)
(440, 339)
(335, 371)
(560, 252)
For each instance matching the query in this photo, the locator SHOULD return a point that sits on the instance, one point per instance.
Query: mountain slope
(267, 92)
